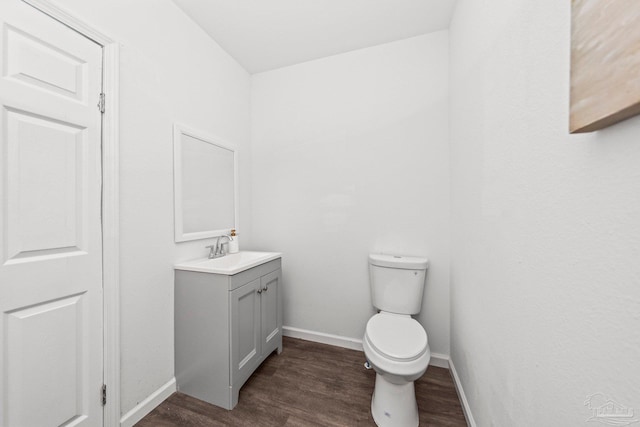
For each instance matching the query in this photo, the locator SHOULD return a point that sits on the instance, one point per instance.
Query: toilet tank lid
(396, 261)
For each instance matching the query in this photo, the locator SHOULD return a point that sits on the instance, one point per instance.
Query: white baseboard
(440, 360)
(321, 337)
(463, 398)
(148, 404)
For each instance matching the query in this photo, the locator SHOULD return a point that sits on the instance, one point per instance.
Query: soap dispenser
(233, 242)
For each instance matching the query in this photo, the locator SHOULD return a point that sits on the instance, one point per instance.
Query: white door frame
(110, 203)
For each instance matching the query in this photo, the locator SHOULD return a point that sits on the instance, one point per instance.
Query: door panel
(38, 339)
(38, 63)
(245, 330)
(51, 302)
(270, 311)
(45, 174)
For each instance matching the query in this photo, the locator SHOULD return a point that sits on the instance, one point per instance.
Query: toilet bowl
(397, 348)
(394, 343)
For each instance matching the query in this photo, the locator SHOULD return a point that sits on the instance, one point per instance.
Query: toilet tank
(397, 282)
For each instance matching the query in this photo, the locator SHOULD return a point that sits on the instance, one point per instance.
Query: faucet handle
(212, 251)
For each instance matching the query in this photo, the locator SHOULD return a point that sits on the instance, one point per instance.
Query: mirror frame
(178, 131)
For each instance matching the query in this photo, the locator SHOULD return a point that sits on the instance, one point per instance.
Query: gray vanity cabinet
(225, 327)
(256, 324)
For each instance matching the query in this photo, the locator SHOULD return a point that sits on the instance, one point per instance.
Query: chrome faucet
(217, 250)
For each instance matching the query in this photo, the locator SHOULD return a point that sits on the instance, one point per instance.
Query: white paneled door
(51, 308)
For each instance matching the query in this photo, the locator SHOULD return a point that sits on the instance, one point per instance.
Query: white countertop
(229, 264)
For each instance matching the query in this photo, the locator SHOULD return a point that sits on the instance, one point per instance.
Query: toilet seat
(396, 337)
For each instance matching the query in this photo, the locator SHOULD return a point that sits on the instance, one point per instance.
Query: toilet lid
(396, 336)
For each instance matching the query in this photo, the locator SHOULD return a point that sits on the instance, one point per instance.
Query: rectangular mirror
(205, 185)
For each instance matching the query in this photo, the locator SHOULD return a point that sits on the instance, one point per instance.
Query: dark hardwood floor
(310, 384)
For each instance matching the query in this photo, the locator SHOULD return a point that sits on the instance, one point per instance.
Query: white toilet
(395, 344)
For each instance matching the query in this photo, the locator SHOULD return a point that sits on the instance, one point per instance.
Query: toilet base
(394, 405)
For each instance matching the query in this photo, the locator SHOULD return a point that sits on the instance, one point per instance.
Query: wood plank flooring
(310, 384)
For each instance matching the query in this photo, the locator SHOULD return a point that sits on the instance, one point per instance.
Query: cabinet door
(245, 331)
(271, 311)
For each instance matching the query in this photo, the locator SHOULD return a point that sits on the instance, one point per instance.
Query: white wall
(170, 71)
(350, 156)
(545, 226)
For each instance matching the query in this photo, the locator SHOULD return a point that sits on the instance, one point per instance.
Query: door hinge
(101, 102)
(104, 394)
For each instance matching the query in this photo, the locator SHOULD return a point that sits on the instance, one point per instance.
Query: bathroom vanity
(228, 319)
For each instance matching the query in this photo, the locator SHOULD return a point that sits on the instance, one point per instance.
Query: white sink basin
(228, 264)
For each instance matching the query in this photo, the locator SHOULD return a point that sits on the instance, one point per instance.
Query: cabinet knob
(259, 291)
(266, 288)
